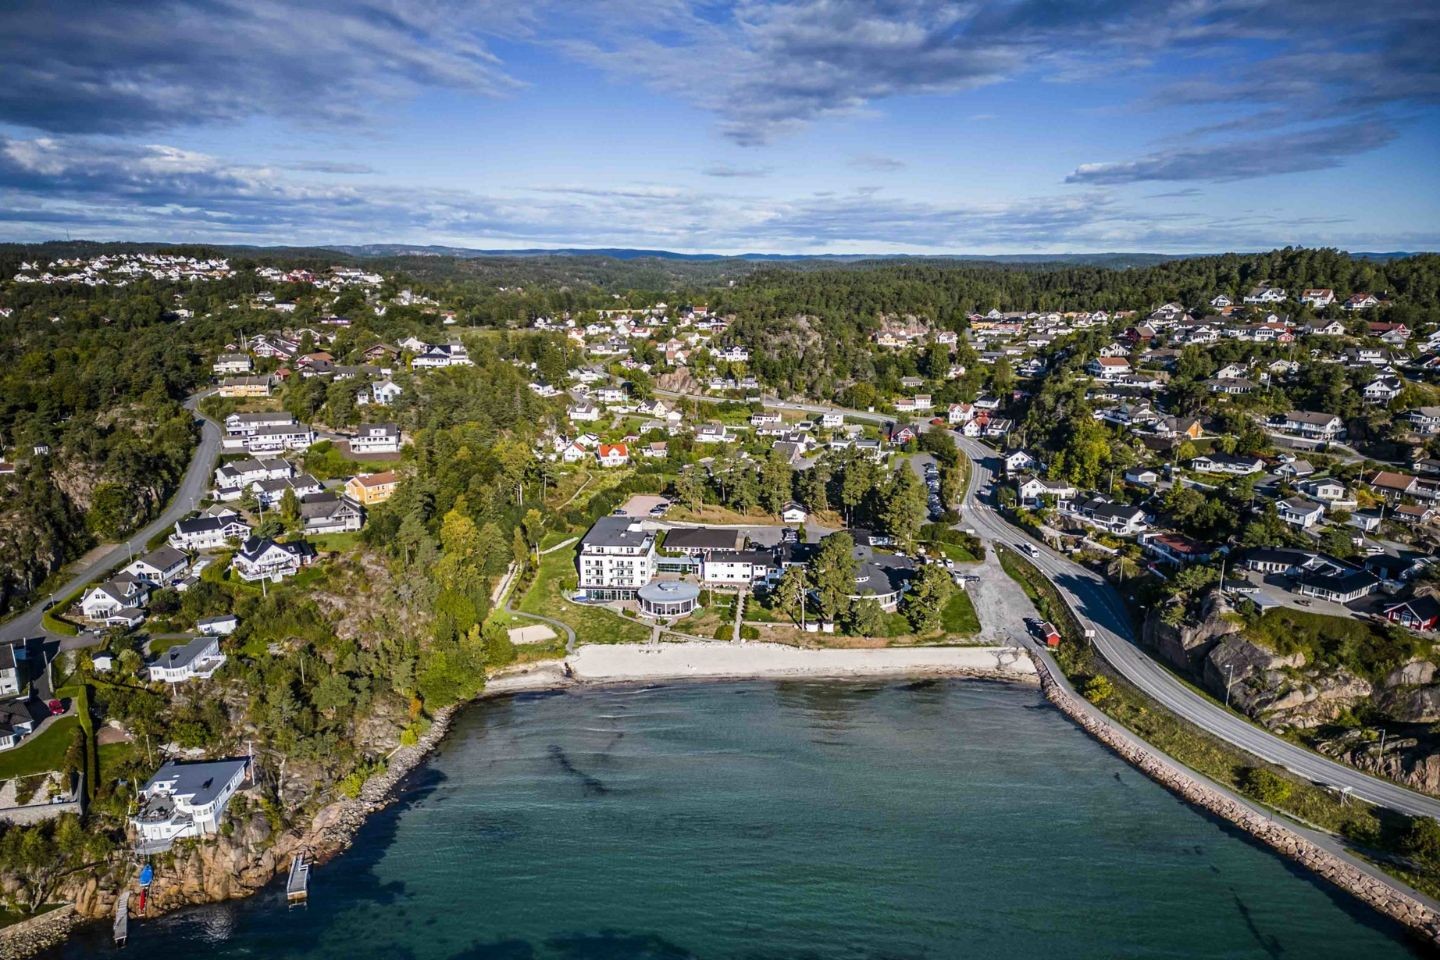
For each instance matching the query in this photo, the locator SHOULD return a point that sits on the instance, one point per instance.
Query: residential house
(1175, 549)
(158, 567)
(1031, 490)
(1265, 294)
(1299, 512)
(1120, 519)
(1314, 426)
(261, 558)
(245, 387)
(1361, 301)
(376, 438)
(712, 433)
(323, 513)
(208, 533)
(1382, 389)
(1418, 613)
(1424, 420)
(1108, 368)
(793, 512)
(1231, 464)
(12, 659)
(1325, 490)
(372, 488)
(1318, 297)
(232, 364)
(186, 800)
(116, 601)
(221, 625)
(196, 660)
(612, 455)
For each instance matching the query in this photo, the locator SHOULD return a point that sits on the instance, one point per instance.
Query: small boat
(147, 876)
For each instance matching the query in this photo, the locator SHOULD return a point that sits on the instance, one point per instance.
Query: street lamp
(1229, 679)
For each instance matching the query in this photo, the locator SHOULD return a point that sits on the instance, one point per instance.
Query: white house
(1314, 426)
(186, 800)
(1109, 368)
(1031, 489)
(263, 559)
(583, 412)
(793, 512)
(376, 438)
(1382, 389)
(196, 660)
(323, 513)
(116, 602)
(218, 626)
(208, 533)
(612, 455)
(1299, 512)
(1018, 460)
(159, 566)
(1266, 294)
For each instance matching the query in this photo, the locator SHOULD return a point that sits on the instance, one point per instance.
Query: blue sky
(813, 126)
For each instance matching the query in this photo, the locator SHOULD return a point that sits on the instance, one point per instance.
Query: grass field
(556, 579)
(959, 617)
(40, 753)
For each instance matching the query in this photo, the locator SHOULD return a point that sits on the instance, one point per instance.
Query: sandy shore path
(637, 663)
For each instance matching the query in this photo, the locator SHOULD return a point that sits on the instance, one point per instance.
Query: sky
(725, 126)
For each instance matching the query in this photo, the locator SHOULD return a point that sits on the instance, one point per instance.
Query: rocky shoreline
(1376, 893)
(29, 937)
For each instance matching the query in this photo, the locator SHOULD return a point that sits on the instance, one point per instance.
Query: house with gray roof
(185, 800)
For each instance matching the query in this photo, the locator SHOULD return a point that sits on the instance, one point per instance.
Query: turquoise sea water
(760, 820)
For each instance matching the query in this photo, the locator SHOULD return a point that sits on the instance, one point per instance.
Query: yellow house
(245, 387)
(372, 488)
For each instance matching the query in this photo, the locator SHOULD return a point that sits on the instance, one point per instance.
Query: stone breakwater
(1370, 890)
(29, 937)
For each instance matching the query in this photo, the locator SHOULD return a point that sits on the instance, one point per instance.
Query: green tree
(905, 507)
(927, 598)
(832, 571)
(865, 618)
(775, 481)
(791, 591)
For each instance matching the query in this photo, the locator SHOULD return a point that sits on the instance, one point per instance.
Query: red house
(1048, 633)
(1417, 613)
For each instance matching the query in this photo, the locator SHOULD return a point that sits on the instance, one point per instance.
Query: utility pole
(1229, 679)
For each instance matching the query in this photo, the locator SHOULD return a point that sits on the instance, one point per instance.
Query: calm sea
(792, 820)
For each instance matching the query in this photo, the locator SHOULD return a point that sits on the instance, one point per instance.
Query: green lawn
(335, 541)
(959, 615)
(41, 753)
(554, 581)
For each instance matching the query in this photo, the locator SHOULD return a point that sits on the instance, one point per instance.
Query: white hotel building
(617, 558)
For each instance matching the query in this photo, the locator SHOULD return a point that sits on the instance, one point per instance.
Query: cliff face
(1284, 691)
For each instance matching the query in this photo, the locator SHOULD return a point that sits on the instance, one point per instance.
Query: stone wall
(1382, 896)
(29, 937)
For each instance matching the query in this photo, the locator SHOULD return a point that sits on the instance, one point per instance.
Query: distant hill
(1118, 259)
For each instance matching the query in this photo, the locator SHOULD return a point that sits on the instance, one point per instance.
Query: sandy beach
(631, 663)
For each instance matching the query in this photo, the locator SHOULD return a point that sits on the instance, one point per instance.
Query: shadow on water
(1268, 943)
(300, 931)
(592, 786)
(1343, 900)
(616, 945)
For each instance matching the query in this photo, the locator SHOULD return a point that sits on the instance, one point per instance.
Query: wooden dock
(297, 886)
(122, 919)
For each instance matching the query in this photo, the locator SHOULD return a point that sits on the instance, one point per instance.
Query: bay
(753, 821)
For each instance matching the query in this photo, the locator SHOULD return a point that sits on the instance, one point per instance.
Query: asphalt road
(1101, 607)
(192, 488)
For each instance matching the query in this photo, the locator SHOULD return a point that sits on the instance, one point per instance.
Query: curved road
(1100, 605)
(192, 488)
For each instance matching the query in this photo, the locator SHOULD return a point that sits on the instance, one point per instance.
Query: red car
(57, 707)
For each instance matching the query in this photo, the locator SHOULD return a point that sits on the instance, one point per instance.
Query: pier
(122, 919)
(297, 886)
